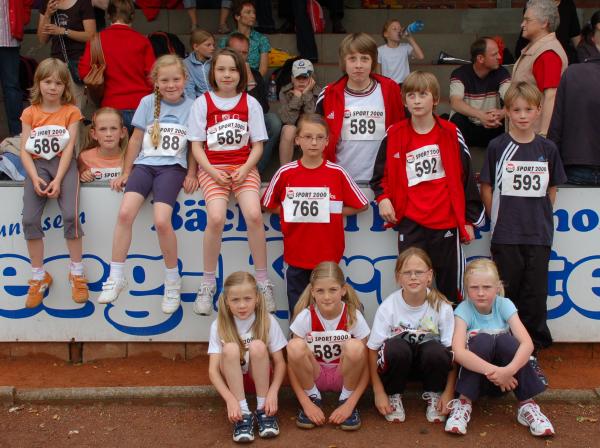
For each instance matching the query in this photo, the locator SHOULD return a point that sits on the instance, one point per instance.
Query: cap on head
(302, 67)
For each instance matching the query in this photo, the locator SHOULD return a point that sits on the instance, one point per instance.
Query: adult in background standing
(68, 25)
(129, 58)
(14, 15)
(543, 60)
(589, 46)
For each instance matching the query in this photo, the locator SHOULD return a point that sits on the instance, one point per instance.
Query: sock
(345, 393)
(260, 402)
(172, 274)
(261, 275)
(209, 277)
(76, 268)
(244, 406)
(116, 270)
(313, 392)
(523, 403)
(38, 273)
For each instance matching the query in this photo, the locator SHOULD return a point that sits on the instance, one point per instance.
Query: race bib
(47, 141)
(363, 123)
(173, 141)
(306, 204)
(526, 179)
(105, 174)
(227, 135)
(424, 164)
(246, 339)
(327, 345)
(418, 336)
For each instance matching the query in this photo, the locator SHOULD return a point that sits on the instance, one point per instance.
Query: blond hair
(330, 270)
(420, 82)
(528, 91)
(91, 142)
(358, 43)
(199, 36)
(47, 68)
(225, 322)
(483, 265)
(386, 25)
(434, 297)
(163, 61)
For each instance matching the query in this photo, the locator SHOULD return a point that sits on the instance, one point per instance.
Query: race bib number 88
(525, 179)
(173, 141)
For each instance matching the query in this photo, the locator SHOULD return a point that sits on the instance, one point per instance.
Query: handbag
(94, 80)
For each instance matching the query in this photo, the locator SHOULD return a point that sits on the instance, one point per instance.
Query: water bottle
(272, 89)
(413, 27)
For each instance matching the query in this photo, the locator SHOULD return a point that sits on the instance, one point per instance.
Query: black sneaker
(538, 370)
(302, 421)
(243, 431)
(352, 423)
(267, 425)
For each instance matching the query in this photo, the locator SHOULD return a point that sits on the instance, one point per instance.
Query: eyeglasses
(310, 138)
(417, 274)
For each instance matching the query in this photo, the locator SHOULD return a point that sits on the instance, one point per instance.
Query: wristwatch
(66, 32)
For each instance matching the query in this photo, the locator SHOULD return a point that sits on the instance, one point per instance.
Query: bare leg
(259, 366)
(75, 247)
(211, 246)
(250, 206)
(302, 362)
(286, 144)
(193, 18)
(166, 235)
(232, 371)
(353, 362)
(130, 206)
(36, 252)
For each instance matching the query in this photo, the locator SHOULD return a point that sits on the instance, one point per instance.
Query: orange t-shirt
(103, 168)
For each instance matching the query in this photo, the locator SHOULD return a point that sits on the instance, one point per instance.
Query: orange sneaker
(79, 288)
(37, 289)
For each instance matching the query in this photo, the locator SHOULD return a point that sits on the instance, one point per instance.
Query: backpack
(166, 43)
(315, 15)
(27, 67)
(283, 75)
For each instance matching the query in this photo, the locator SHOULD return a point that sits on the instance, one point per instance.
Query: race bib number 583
(327, 345)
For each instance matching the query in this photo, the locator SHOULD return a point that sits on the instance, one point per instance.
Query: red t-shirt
(547, 70)
(306, 244)
(429, 200)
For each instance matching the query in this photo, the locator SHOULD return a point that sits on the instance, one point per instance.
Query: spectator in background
(14, 15)
(575, 127)
(198, 63)
(589, 45)
(476, 94)
(258, 53)
(393, 56)
(190, 7)
(258, 89)
(543, 60)
(128, 66)
(223, 28)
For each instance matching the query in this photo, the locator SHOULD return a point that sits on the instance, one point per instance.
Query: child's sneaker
(111, 290)
(397, 414)
(266, 288)
(353, 422)
(79, 288)
(302, 420)
(243, 431)
(432, 414)
(530, 415)
(267, 425)
(204, 299)
(460, 414)
(538, 370)
(36, 291)
(172, 298)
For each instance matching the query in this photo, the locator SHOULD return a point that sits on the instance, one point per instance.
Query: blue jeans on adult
(583, 175)
(13, 95)
(273, 125)
(127, 115)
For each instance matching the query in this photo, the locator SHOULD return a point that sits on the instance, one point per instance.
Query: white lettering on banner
(363, 124)
(368, 263)
(173, 141)
(47, 141)
(306, 204)
(227, 135)
(525, 179)
(327, 345)
(424, 164)
(105, 174)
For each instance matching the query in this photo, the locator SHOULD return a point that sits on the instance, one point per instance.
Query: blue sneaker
(302, 421)
(243, 431)
(352, 423)
(267, 425)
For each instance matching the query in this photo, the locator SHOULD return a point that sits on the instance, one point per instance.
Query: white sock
(38, 273)
(116, 270)
(172, 275)
(313, 392)
(210, 278)
(345, 393)
(260, 402)
(244, 406)
(76, 268)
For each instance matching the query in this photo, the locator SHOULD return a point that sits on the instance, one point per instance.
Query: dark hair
(237, 8)
(121, 10)
(312, 118)
(237, 35)
(479, 47)
(588, 30)
(240, 65)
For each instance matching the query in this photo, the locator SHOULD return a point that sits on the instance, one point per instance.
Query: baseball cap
(302, 67)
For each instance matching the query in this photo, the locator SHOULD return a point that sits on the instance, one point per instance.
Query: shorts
(330, 378)
(249, 386)
(164, 181)
(212, 190)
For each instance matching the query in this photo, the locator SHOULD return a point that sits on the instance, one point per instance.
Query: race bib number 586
(47, 141)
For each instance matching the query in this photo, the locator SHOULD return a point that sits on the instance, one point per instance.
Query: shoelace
(108, 284)
(205, 290)
(532, 413)
(35, 284)
(432, 398)
(268, 421)
(171, 292)
(460, 410)
(244, 425)
(396, 402)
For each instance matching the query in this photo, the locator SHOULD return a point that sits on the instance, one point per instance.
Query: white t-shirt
(197, 120)
(302, 324)
(394, 316)
(394, 61)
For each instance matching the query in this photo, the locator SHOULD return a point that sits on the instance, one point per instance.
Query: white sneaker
(432, 414)
(266, 288)
(530, 415)
(460, 414)
(397, 414)
(172, 297)
(204, 299)
(111, 289)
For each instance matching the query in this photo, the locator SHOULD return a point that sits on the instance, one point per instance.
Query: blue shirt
(198, 73)
(259, 43)
(495, 322)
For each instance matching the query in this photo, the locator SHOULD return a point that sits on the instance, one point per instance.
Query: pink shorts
(212, 190)
(330, 378)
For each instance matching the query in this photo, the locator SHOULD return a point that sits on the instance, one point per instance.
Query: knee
(296, 349)
(163, 224)
(253, 218)
(257, 349)
(398, 350)
(355, 351)
(481, 344)
(31, 221)
(507, 344)
(231, 351)
(215, 221)
(436, 357)
(125, 216)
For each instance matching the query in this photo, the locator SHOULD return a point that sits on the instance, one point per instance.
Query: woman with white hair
(543, 60)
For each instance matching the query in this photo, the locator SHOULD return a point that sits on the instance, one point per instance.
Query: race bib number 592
(424, 164)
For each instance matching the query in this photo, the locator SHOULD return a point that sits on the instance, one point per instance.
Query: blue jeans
(583, 175)
(273, 125)
(13, 95)
(127, 115)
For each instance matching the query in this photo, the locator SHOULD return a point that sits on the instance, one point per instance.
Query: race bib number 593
(525, 179)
